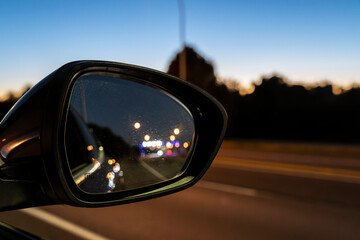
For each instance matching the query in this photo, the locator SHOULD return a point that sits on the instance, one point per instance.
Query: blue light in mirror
(133, 135)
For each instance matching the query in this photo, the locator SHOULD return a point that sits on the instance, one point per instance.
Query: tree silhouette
(274, 110)
(277, 109)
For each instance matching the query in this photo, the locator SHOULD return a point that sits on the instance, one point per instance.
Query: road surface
(273, 198)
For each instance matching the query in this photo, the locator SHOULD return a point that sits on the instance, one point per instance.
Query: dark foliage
(275, 110)
(278, 110)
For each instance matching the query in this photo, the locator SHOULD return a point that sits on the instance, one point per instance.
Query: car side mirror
(96, 133)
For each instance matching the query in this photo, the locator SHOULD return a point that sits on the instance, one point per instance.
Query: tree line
(279, 110)
(275, 110)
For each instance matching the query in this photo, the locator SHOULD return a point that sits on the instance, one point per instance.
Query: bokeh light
(176, 131)
(137, 125)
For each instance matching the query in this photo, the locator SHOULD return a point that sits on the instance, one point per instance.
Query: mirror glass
(122, 134)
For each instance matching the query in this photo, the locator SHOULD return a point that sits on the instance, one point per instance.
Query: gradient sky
(303, 40)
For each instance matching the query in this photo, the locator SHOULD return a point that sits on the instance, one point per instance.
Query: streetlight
(172, 138)
(137, 125)
(176, 131)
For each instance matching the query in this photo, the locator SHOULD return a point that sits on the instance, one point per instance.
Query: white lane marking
(227, 188)
(66, 225)
(152, 170)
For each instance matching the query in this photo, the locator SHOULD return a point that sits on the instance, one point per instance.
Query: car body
(58, 144)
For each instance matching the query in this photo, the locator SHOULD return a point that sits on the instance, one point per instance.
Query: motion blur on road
(253, 190)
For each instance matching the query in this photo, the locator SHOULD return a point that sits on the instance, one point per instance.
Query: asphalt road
(269, 199)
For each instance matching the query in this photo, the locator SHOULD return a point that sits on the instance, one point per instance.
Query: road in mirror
(123, 135)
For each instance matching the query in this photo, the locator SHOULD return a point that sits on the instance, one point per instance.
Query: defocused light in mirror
(137, 125)
(116, 168)
(176, 131)
(123, 135)
(146, 137)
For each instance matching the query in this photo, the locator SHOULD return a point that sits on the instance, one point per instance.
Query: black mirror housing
(34, 168)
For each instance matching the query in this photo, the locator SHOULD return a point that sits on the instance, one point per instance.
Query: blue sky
(303, 40)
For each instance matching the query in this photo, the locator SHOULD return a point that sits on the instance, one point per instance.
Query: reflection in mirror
(123, 135)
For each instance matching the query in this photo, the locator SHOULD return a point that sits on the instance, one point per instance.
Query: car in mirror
(97, 133)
